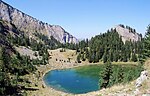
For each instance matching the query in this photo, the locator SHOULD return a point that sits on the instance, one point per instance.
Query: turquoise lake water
(71, 81)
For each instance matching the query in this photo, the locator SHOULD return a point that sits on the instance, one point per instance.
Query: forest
(109, 46)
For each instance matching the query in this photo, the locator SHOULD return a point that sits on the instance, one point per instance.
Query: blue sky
(86, 18)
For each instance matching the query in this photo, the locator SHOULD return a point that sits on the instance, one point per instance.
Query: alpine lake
(80, 80)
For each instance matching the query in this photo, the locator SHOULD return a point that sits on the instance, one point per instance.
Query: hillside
(109, 46)
(19, 56)
(31, 25)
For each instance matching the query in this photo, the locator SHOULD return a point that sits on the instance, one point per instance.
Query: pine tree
(111, 56)
(101, 52)
(134, 57)
(147, 43)
(125, 58)
(5, 57)
(78, 58)
(90, 57)
(120, 75)
(105, 58)
(105, 75)
(83, 57)
(115, 56)
(86, 53)
(96, 57)
(87, 42)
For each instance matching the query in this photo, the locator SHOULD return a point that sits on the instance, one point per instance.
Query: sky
(87, 18)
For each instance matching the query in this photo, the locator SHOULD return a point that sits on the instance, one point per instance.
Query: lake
(71, 81)
(86, 78)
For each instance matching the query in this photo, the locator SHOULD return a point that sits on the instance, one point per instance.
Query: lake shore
(59, 61)
(48, 91)
(53, 64)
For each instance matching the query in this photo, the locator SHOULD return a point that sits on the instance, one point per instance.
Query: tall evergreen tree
(105, 58)
(111, 57)
(79, 58)
(96, 57)
(105, 75)
(147, 43)
(134, 57)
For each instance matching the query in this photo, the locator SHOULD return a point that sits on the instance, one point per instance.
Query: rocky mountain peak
(31, 25)
(127, 33)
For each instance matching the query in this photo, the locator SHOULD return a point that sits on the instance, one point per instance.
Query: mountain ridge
(30, 25)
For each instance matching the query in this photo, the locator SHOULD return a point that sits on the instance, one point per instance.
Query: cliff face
(127, 33)
(31, 25)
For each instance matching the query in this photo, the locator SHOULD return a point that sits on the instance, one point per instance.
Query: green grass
(90, 70)
(131, 71)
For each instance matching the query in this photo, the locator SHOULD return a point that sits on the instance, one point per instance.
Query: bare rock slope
(127, 33)
(30, 25)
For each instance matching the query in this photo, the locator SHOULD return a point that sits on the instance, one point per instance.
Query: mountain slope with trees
(13, 65)
(109, 46)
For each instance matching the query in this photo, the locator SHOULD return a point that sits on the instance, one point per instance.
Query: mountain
(127, 33)
(31, 25)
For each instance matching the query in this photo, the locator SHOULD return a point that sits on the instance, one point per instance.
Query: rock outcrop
(139, 81)
(127, 33)
(30, 25)
(142, 78)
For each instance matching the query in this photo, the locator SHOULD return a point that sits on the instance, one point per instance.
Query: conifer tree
(90, 57)
(125, 58)
(105, 58)
(78, 58)
(111, 56)
(120, 75)
(83, 57)
(86, 53)
(146, 52)
(105, 75)
(115, 56)
(96, 57)
(134, 57)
